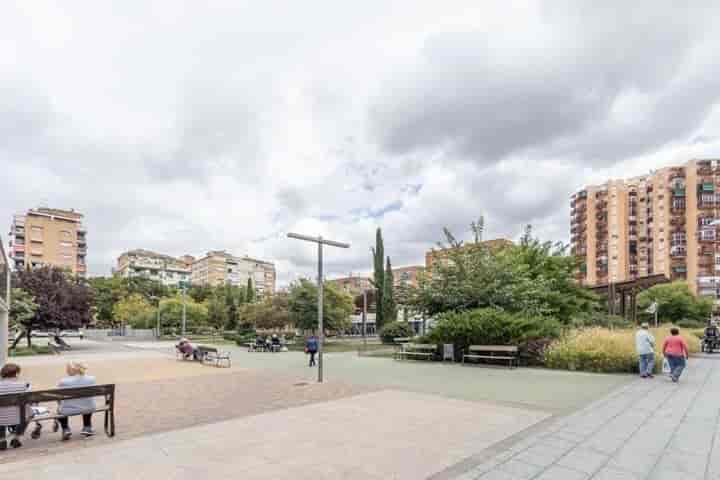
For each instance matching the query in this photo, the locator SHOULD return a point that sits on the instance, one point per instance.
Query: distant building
(407, 276)
(352, 284)
(442, 255)
(49, 236)
(156, 266)
(221, 268)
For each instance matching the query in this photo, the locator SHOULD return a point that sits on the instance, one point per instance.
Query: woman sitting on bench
(85, 406)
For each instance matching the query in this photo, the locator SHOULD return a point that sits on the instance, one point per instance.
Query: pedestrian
(78, 406)
(311, 347)
(645, 347)
(675, 350)
(10, 416)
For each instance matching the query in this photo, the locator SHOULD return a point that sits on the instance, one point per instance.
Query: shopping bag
(666, 366)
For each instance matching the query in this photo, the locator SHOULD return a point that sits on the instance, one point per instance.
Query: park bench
(492, 352)
(417, 350)
(25, 399)
(62, 344)
(212, 355)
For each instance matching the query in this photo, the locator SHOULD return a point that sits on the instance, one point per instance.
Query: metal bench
(213, 355)
(492, 352)
(26, 399)
(417, 350)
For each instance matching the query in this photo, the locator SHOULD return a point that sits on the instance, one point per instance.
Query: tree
(171, 313)
(200, 293)
(217, 310)
(249, 291)
(675, 303)
(64, 301)
(136, 311)
(388, 305)
(269, 314)
(107, 292)
(337, 307)
(379, 276)
(22, 308)
(534, 278)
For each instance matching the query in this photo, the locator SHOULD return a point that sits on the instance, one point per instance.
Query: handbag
(307, 350)
(666, 366)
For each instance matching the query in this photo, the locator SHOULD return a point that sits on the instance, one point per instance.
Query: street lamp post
(157, 331)
(364, 321)
(4, 305)
(321, 334)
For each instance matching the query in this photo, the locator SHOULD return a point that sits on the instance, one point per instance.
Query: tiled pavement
(649, 429)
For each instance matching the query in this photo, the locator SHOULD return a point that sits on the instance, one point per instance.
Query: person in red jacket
(675, 350)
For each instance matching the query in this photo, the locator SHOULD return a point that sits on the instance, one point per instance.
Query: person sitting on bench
(77, 378)
(10, 416)
(711, 331)
(275, 343)
(188, 349)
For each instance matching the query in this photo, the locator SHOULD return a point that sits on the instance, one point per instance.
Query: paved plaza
(377, 418)
(650, 429)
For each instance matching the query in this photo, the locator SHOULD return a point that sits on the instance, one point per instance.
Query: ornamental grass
(607, 351)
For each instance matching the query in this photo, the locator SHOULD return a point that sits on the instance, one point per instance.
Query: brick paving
(649, 429)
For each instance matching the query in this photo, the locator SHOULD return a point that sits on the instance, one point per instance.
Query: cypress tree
(388, 305)
(379, 278)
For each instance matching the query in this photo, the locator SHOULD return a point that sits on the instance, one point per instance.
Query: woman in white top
(77, 378)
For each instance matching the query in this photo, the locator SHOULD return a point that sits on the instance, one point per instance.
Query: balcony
(678, 192)
(82, 250)
(704, 170)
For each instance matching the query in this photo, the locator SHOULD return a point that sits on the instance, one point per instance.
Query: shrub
(599, 319)
(389, 332)
(489, 326)
(606, 351)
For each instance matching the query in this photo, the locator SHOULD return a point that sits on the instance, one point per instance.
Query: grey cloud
(475, 97)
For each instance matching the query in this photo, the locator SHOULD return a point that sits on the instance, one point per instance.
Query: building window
(36, 233)
(65, 235)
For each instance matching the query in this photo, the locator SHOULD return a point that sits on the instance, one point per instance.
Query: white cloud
(184, 127)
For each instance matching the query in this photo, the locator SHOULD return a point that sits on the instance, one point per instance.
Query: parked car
(72, 334)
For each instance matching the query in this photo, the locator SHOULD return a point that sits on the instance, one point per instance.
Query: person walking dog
(645, 347)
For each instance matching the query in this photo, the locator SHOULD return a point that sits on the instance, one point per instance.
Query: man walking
(645, 347)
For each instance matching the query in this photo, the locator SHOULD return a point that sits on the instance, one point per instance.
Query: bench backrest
(420, 346)
(402, 340)
(203, 349)
(494, 348)
(55, 395)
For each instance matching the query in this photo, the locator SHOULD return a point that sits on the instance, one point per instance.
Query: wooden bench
(417, 350)
(212, 355)
(492, 352)
(26, 399)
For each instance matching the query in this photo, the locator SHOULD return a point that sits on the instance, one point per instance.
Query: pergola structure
(626, 292)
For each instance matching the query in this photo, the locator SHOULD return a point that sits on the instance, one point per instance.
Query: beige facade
(407, 276)
(352, 284)
(657, 223)
(155, 266)
(49, 236)
(441, 255)
(220, 268)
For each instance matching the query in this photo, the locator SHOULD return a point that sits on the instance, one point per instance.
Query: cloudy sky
(188, 126)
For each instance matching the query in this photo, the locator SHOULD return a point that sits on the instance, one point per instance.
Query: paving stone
(520, 469)
(562, 473)
(584, 460)
(608, 473)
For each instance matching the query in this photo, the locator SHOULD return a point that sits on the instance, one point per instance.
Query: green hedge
(490, 326)
(388, 333)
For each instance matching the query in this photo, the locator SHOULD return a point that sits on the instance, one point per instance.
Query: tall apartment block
(49, 236)
(219, 268)
(660, 223)
(156, 266)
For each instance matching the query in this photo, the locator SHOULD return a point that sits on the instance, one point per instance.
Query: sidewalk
(650, 429)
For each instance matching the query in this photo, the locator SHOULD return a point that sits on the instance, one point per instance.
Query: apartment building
(352, 284)
(660, 223)
(219, 267)
(407, 276)
(442, 255)
(49, 236)
(165, 269)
